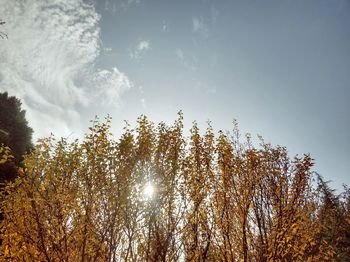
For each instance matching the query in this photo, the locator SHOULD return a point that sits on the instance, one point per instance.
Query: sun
(148, 191)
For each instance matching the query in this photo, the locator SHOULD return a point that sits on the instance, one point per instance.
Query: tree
(14, 133)
(2, 34)
(334, 218)
(156, 195)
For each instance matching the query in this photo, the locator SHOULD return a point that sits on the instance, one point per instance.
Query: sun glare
(148, 190)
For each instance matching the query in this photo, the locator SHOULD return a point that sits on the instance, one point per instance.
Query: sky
(280, 68)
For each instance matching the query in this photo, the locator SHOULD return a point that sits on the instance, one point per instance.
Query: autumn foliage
(217, 197)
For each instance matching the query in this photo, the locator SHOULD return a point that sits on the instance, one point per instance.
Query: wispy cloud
(164, 27)
(199, 27)
(112, 6)
(125, 4)
(49, 62)
(143, 45)
(188, 63)
(212, 90)
(214, 14)
(141, 48)
(143, 103)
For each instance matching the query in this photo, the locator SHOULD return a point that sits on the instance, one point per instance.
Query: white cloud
(198, 26)
(49, 62)
(143, 45)
(140, 49)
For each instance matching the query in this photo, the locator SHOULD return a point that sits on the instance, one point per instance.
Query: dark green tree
(14, 133)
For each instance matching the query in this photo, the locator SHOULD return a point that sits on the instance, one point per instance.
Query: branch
(2, 34)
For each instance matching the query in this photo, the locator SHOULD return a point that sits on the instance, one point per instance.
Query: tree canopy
(14, 133)
(157, 195)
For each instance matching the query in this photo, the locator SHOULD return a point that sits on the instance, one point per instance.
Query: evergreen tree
(14, 133)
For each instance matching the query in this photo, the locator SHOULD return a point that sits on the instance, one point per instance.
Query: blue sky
(281, 68)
